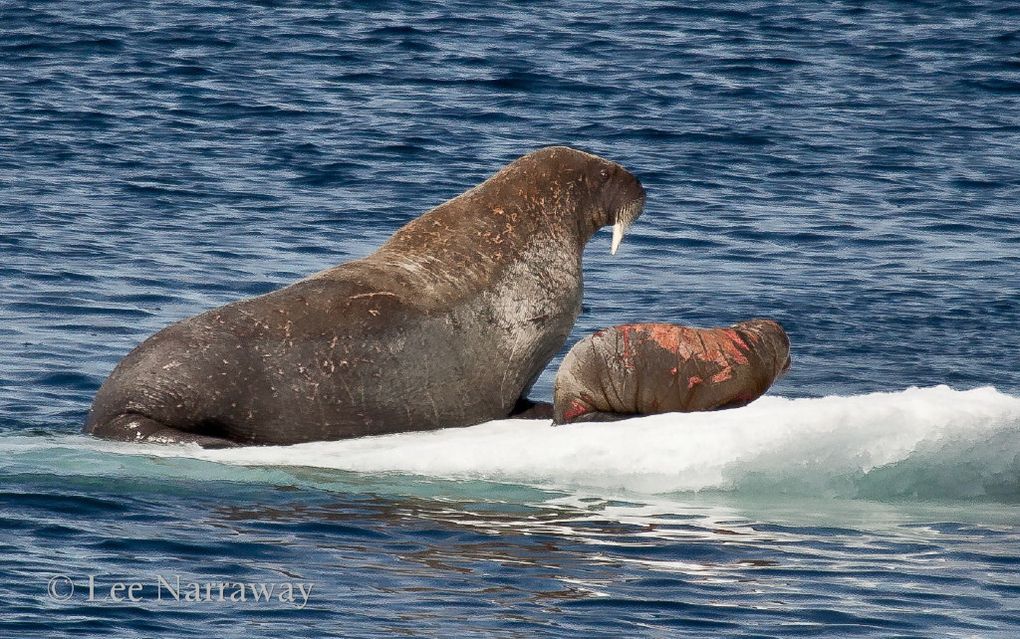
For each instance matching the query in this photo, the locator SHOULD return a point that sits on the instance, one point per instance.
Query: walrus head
(553, 197)
(773, 344)
(597, 192)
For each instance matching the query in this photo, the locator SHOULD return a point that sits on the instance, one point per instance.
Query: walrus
(449, 323)
(644, 369)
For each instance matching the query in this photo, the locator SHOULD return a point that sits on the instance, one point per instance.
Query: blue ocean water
(848, 168)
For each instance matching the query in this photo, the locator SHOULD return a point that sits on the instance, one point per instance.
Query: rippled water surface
(850, 169)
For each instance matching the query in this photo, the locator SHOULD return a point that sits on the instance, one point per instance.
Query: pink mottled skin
(577, 408)
(640, 369)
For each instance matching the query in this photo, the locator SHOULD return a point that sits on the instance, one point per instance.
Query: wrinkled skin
(644, 369)
(447, 324)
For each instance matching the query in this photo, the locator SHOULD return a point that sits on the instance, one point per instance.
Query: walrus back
(326, 358)
(246, 370)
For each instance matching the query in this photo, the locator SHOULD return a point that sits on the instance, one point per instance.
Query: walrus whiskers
(624, 218)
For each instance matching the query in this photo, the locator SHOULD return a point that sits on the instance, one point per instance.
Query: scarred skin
(644, 369)
(447, 324)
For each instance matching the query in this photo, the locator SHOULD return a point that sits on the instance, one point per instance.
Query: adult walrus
(447, 324)
(643, 369)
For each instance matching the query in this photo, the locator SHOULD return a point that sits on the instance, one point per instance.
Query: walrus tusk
(618, 230)
(624, 218)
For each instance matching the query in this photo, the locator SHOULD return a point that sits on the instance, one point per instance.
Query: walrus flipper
(527, 409)
(131, 427)
(598, 416)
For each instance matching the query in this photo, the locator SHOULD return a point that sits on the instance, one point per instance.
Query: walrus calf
(447, 324)
(643, 369)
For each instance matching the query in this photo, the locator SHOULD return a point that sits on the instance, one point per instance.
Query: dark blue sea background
(851, 169)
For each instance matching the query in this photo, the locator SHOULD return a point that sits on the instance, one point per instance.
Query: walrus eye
(605, 174)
